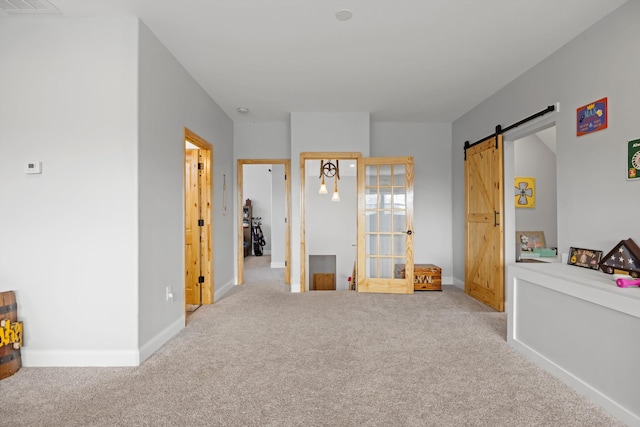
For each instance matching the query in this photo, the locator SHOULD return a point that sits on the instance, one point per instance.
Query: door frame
(508, 160)
(207, 289)
(338, 155)
(240, 203)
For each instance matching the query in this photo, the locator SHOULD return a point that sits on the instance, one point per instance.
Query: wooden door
(193, 247)
(385, 225)
(484, 267)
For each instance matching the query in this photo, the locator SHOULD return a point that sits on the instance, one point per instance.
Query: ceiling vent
(16, 7)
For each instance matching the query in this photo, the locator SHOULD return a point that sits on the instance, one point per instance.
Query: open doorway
(536, 217)
(329, 220)
(530, 152)
(198, 161)
(263, 237)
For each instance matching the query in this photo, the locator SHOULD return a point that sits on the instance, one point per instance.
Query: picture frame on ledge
(586, 258)
(527, 242)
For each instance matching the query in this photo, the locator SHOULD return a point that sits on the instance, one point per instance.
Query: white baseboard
(457, 282)
(100, 358)
(219, 292)
(277, 264)
(79, 358)
(160, 339)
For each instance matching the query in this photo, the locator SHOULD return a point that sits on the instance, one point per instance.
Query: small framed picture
(587, 258)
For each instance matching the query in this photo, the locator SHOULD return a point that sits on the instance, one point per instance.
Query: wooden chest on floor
(426, 277)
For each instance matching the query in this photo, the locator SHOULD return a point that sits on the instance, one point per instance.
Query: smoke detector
(16, 7)
(243, 110)
(344, 15)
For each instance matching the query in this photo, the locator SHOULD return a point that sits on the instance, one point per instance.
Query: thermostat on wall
(33, 167)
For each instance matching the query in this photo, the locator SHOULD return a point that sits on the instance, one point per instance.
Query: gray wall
(430, 146)
(69, 235)
(592, 189)
(428, 143)
(169, 100)
(102, 105)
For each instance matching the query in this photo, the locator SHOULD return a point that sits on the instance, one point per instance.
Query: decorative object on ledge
(628, 283)
(624, 257)
(525, 194)
(587, 258)
(330, 170)
(527, 241)
(10, 335)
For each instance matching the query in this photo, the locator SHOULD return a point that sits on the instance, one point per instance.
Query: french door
(385, 225)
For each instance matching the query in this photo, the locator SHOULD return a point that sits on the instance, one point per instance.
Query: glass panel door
(385, 222)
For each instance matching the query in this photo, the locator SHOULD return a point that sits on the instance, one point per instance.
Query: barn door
(385, 225)
(484, 266)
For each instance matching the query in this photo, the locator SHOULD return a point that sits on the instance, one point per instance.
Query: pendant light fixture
(329, 169)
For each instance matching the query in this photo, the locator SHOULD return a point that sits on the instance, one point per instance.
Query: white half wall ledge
(573, 322)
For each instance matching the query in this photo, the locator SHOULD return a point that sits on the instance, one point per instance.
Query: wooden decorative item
(624, 257)
(10, 335)
(426, 277)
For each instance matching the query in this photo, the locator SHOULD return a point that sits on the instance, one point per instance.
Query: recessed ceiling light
(243, 110)
(344, 15)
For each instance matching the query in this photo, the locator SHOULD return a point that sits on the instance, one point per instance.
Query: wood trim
(207, 208)
(315, 155)
(240, 232)
(240, 202)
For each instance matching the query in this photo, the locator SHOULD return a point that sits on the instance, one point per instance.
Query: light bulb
(335, 197)
(323, 188)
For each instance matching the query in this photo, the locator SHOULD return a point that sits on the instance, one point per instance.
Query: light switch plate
(33, 167)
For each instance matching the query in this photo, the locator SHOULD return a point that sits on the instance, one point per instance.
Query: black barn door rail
(499, 129)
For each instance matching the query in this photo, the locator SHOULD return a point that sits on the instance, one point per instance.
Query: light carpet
(262, 356)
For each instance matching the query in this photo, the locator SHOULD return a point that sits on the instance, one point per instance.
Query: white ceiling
(401, 60)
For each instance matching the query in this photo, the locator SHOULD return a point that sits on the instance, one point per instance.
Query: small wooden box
(426, 277)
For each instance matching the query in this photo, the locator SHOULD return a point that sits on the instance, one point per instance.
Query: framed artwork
(525, 192)
(633, 165)
(527, 241)
(587, 258)
(592, 117)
